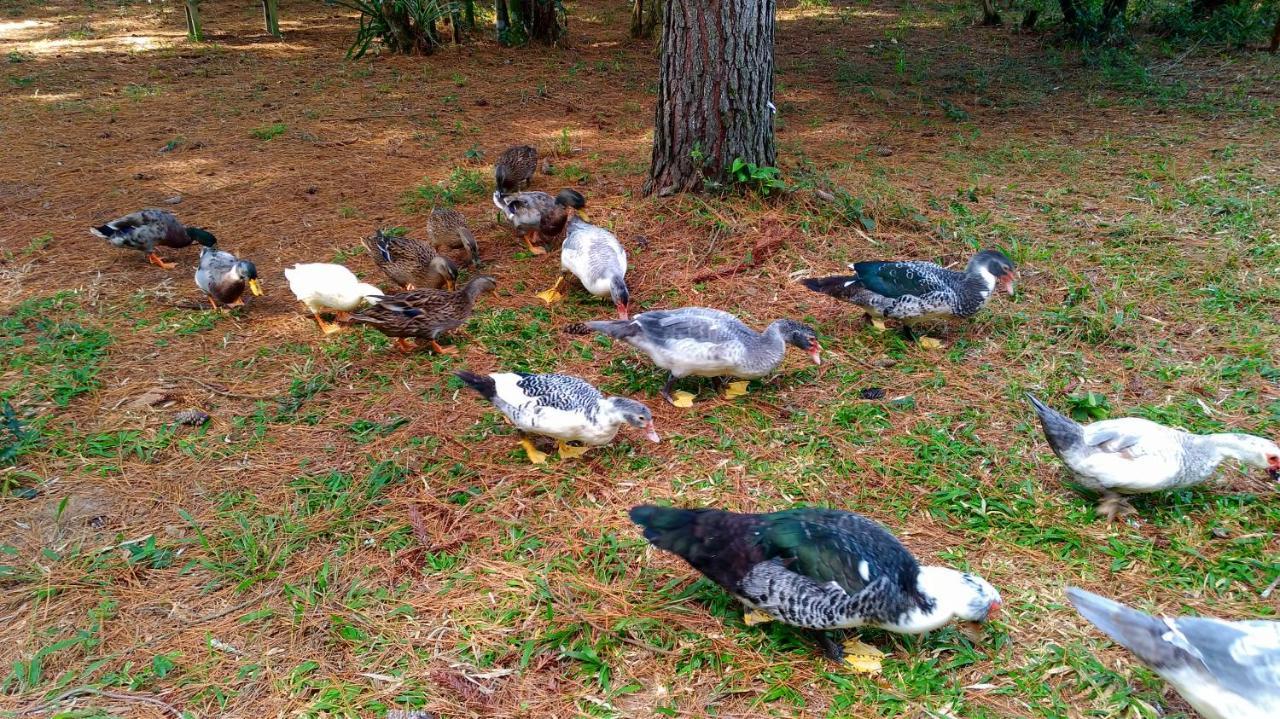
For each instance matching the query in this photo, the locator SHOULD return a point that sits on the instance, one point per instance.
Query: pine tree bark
(991, 14)
(714, 91)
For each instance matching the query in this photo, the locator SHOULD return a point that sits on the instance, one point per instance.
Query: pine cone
(193, 417)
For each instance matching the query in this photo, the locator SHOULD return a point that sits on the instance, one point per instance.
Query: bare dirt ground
(352, 532)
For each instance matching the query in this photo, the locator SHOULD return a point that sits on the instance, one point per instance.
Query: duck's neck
(766, 349)
(1227, 445)
(940, 589)
(981, 277)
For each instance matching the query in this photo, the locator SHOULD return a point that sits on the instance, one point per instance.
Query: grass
(354, 532)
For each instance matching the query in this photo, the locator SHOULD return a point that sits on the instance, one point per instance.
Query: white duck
(595, 256)
(1225, 670)
(561, 406)
(322, 286)
(707, 343)
(1117, 457)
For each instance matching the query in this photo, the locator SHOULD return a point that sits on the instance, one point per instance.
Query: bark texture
(714, 90)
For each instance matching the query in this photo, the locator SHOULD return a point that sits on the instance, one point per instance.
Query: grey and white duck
(223, 278)
(707, 343)
(913, 292)
(144, 230)
(1224, 669)
(564, 407)
(1130, 455)
(596, 257)
(820, 569)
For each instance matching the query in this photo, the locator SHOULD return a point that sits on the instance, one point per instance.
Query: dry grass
(351, 532)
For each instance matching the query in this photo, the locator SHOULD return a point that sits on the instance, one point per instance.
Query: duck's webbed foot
(852, 653)
(535, 455)
(568, 451)
(681, 398)
(1113, 507)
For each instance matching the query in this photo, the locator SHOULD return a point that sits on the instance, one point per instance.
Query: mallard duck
(819, 569)
(537, 214)
(448, 229)
(515, 168)
(707, 343)
(322, 286)
(919, 291)
(1225, 670)
(425, 313)
(224, 277)
(1127, 456)
(410, 263)
(145, 229)
(560, 406)
(593, 255)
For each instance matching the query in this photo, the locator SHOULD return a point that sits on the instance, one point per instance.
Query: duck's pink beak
(815, 351)
(624, 312)
(1006, 281)
(651, 433)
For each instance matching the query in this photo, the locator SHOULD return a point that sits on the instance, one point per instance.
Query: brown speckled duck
(410, 263)
(515, 168)
(448, 229)
(424, 314)
(537, 214)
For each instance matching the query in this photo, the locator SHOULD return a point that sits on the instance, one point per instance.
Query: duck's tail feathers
(839, 286)
(481, 383)
(617, 329)
(1142, 634)
(1063, 433)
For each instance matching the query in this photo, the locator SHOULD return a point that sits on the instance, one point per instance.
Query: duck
(410, 263)
(144, 229)
(425, 313)
(448, 229)
(596, 257)
(818, 569)
(561, 406)
(223, 277)
(914, 292)
(538, 215)
(1131, 455)
(706, 343)
(322, 286)
(1223, 669)
(515, 167)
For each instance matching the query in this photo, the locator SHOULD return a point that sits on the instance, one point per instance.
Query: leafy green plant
(763, 180)
(269, 132)
(1089, 407)
(406, 27)
(463, 184)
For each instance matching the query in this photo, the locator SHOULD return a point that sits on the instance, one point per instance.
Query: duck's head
(957, 595)
(996, 268)
(446, 268)
(370, 293)
(245, 271)
(204, 237)
(572, 199)
(1254, 451)
(478, 285)
(798, 334)
(635, 414)
(621, 297)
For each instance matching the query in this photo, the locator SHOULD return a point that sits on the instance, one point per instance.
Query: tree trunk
(470, 9)
(1113, 11)
(195, 28)
(1275, 37)
(502, 20)
(543, 21)
(271, 15)
(1029, 19)
(1070, 16)
(637, 18)
(990, 14)
(651, 20)
(1205, 8)
(714, 91)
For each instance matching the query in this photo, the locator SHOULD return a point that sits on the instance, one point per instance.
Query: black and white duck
(561, 406)
(223, 278)
(707, 343)
(819, 569)
(914, 292)
(145, 229)
(596, 257)
(537, 215)
(1225, 670)
(1131, 455)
